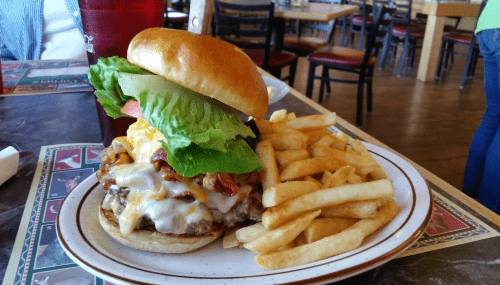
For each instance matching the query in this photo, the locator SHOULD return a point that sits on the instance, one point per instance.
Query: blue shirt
(21, 27)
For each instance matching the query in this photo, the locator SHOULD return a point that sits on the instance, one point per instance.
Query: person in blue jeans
(482, 173)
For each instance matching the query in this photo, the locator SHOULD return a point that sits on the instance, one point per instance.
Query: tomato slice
(131, 108)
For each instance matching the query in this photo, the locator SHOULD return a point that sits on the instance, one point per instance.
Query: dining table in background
(459, 246)
(436, 12)
(314, 11)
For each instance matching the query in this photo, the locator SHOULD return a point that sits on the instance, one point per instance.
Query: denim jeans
(482, 173)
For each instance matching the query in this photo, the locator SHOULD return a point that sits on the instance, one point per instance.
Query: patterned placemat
(41, 77)
(39, 259)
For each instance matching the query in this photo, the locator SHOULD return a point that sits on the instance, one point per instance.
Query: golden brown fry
(269, 175)
(278, 116)
(277, 215)
(300, 239)
(282, 235)
(353, 178)
(355, 209)
(343, 137)
(315, 135)
(376, 174)
(285, 157)
(286, 191)
(363, 164)
(309, 178)
(310, 166)
(323, 227)
(339, 177)
(229, 240)
(326, 140)
(369, 226)
(312, 122)
(249, 233)
(324, 248)
(284, 140)
(290, 116)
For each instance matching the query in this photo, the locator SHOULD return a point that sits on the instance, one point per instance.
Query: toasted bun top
(207, 65)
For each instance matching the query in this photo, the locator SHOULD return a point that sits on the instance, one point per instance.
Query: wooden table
(437, 12)
(464, 254)
(313, 12)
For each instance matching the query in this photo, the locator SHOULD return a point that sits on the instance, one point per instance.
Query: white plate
(279, 89)
(89, 246)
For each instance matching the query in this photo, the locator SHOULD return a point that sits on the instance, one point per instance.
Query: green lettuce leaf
(203, 134)
(104, 77)
(182, 115)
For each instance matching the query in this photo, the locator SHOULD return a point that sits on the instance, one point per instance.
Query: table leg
(430, 48)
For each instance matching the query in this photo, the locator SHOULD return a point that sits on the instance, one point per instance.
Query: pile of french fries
(323, 194)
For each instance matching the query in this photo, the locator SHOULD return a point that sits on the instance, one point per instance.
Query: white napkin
(9, 161)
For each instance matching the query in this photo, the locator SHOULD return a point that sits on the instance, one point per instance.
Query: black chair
(175, 19)
(472, 55)
(448, 51)
(311, 35)
(359, 23)
(403, 33)
(352, 60)
(250, 28)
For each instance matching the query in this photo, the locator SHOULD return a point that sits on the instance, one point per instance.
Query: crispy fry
(313, 122)
(310, 166)
(343, 137)
(326, 140)
(290, 116)
(278, 116)
(248, 234)
(339, 177)
(363, 164)
(300, 239)
(309, 178)
(323, 227)
(229, 240)
(286, 191)
(285, 157)
(315, 135)
(282, 235)
(355, 209)
(324, 248)
(376, 174)
(284, 140)
(369, 226)
(353, 178)
(269, 175)
(279, 214)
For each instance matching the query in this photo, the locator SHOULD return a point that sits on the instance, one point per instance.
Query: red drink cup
(109, 26)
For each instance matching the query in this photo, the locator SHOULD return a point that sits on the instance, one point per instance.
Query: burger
(186, 170)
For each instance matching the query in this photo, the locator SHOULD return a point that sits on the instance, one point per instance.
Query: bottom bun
(154, 241)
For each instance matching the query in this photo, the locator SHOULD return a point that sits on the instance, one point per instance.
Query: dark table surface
(30, 122)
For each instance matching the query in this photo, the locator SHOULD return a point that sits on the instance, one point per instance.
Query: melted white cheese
(150, 196)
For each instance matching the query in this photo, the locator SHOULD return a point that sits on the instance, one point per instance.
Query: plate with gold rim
(83, 239)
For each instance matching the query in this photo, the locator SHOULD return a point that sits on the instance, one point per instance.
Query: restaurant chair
(403, 33)
(250, 28)
(311, 35)
(359, 23)
(448, 45)
(463, 38)
(353, 61)
(174, 19)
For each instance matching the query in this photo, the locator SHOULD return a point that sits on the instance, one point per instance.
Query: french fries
(275, 216)
(248, 234)
(323, 227)
(286, 191)
(323, 193)
(281, 236)
(230, 240)
(269, 174)
(356, 209)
